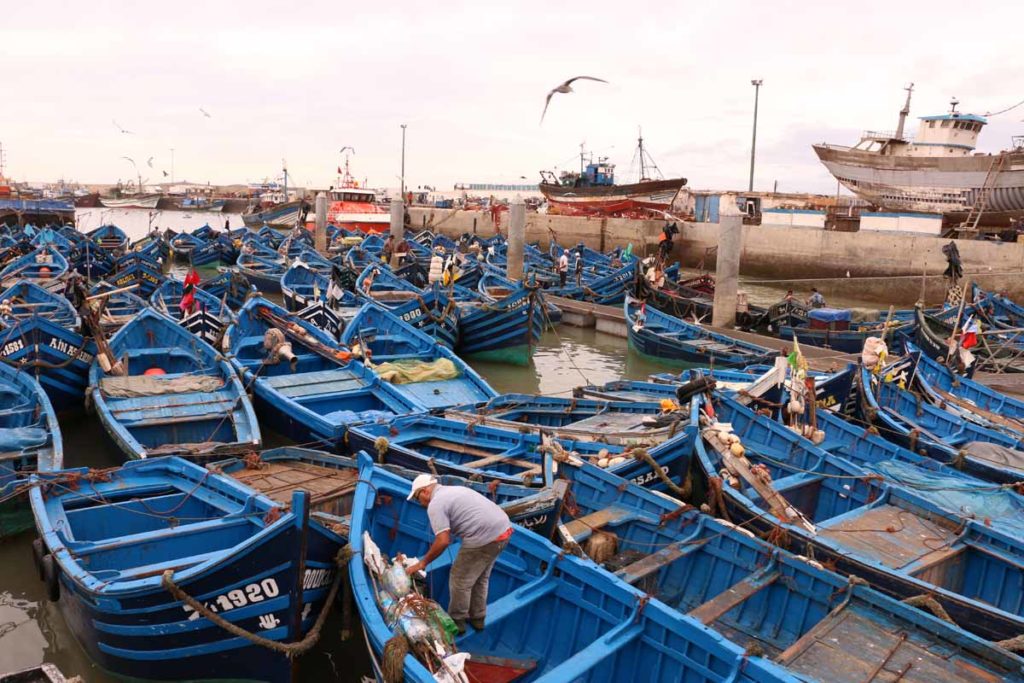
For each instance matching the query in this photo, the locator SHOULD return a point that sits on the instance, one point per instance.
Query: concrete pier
(516, 239)
(727, 270)
(397, 226)
(320, 235)
(884, 267)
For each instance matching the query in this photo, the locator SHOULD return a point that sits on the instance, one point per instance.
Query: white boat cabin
(945, 135)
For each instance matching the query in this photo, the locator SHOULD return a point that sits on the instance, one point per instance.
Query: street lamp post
(753, 142)
(403, 162)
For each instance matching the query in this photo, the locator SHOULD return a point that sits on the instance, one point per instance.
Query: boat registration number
(648, 477)
(239, 597)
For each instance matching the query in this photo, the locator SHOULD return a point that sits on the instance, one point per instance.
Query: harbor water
(32, 629)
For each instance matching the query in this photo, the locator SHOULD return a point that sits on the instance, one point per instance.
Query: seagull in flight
(149, 162)
(565, 88)
(165, 173)
(121, 128)
(351, 149)
(205, 113)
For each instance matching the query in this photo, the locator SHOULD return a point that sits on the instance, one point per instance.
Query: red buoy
(154, 371)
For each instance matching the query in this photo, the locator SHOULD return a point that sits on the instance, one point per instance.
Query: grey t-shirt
(467, 514)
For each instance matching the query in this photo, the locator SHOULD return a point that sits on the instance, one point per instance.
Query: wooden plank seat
(333, 381)
(714, 609)
(582, 527)
(179, 408)
(867, 532)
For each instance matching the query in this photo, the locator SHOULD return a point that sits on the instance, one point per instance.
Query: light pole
(753, 142)
(403, 162)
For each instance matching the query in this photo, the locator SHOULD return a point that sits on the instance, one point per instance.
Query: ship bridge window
(945, 124)
(931, 124)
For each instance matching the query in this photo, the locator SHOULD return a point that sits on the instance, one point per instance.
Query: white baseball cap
(421, 481)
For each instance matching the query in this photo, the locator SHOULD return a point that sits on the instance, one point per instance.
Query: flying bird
(205, 113)
(165, 173)
(565, 88)
(121, 128)
(351, 149)
(149, 162)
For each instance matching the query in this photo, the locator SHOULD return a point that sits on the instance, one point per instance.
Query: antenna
(952, 105)
(582, 154)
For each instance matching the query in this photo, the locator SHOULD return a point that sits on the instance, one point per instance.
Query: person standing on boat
(387, 249)
(578, 266)
(816, 300)
(484, 529)
(563, 267)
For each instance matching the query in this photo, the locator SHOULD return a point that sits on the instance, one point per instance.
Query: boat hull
(506, 331)
(142, 202)
(57, 357)
(657, 195)
(928, 184)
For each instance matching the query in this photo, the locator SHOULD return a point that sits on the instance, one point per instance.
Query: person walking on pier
(563, 267)
(578, 266)
(484, 529)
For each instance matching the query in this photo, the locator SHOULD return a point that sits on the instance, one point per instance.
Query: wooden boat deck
(302, 384)
(850, 646)
(277, 481)
(893, 536)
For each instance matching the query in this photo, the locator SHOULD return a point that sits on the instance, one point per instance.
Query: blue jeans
(469, 578)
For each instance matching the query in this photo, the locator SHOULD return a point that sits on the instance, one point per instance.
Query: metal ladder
(970, 224)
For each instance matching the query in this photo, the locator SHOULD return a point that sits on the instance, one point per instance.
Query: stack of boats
(744, 520)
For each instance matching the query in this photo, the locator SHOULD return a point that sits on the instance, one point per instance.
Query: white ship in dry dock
(937, 171)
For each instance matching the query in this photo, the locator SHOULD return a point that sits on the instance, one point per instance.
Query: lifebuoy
(154, 372)
(51, 578)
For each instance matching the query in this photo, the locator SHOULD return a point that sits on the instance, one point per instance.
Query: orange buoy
(154, 371)
(44, 272)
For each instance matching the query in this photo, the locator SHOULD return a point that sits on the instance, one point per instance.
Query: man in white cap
(484, 530)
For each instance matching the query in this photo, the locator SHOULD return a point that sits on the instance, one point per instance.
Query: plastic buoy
(154, 371)
(44, 272)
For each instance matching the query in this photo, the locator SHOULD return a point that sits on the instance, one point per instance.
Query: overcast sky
(298, 81)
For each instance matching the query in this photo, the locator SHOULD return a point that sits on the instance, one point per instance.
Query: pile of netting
(420, 626)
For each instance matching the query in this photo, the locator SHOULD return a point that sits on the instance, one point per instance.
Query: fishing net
(154, 385)
(998, 506)
(413, 371)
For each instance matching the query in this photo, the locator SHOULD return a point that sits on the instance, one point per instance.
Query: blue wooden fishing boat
(90, 261)
(812, 502)
(40, 336)
(206, 319)
(262, 247)
(504, 328)
(428, 374)
(115, 546)
(30, 442)
(963, 391)
(667, 339)
(789, 609)
(52, 236)
(494, 284)
(601, 629)
(45, 266)
(632, 423)
(229, 286)
(119, 305)
(996, 309)
(914, 423)
(155, 246)
(109, 237)
(431, 310)
(305, 384)
(139, 270)
(264, 274)
(834, 328)
(302, 285)
(1001, 353)
(195, 250)
(330, 480)
(170, 393)
(468, 449)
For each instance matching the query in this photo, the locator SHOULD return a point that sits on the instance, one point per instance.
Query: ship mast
(904, 113)
(640, 144)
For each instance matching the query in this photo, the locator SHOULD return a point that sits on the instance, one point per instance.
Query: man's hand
(413, 568)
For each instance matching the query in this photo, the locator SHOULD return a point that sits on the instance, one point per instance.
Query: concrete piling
(516, 239)
(727, 269)
(397, 227)
(320, 235)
